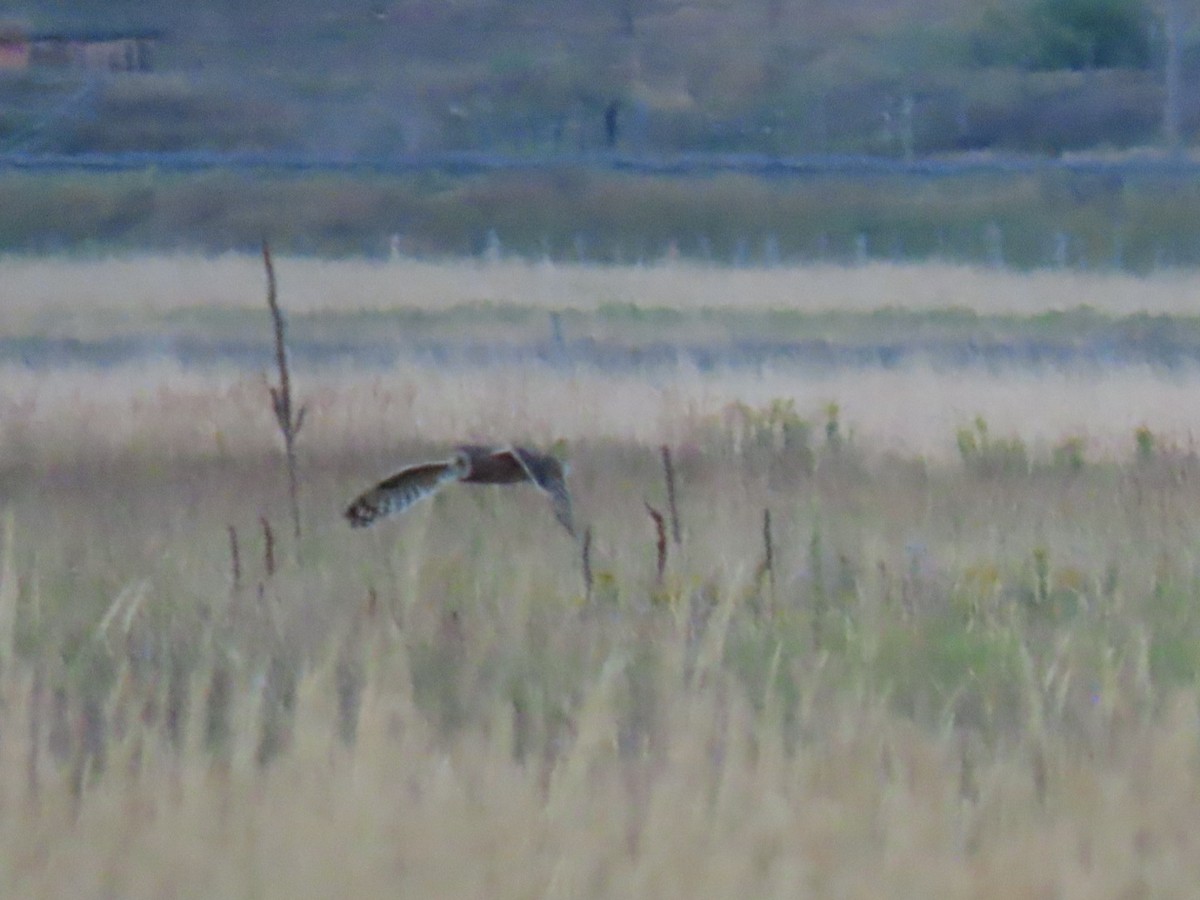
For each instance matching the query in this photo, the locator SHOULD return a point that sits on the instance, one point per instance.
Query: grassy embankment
(1130, 221)
(969, 672)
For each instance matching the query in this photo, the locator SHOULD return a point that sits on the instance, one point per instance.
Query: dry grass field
(960, 661)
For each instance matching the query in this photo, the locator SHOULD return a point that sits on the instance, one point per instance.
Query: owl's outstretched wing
(547, 473)
(396, 494)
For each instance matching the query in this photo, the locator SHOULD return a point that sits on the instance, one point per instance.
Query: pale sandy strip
(32, 288)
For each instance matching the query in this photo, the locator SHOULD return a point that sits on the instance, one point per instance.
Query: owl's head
(460, 464)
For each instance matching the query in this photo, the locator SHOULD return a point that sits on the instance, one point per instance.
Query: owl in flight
(471, 464)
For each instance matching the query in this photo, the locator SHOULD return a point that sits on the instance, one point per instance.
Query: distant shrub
(1068, 34)
(1086, 34)
(1055, 111)
(1068, 455)
(776, 426)
(1144, 443)
(833, 428)
(986, 455)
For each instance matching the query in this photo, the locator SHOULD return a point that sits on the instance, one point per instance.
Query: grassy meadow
(1099, 211)
(925, 631)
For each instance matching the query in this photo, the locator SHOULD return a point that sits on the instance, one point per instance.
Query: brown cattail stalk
(281, 395)
(268, 546)
(768, 546)
(59, 741)
(587, 562)
(672, 508)
(217, 712)
(769, 554)
(235, 559)
(91, 751)
(660, 546)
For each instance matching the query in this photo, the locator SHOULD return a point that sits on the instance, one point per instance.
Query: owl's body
(471, 464)
(487, 465)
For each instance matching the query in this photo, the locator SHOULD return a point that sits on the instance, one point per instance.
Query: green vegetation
(350, 80)
(1136, 222)
(1071, 34)
(986, 455)
(730, 335)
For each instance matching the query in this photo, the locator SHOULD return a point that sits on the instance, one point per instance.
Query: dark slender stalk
(217, 712)
(660, 529)
(281, 395)
(768, 545)
(94, 731)
(672, 508)
(59, 740)
(769, 554)
(816, 568)
(91, 751)
(268, 546)
(178, 698)
(587, 562)
(235, 559)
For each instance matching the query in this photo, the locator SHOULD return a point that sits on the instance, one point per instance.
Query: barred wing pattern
(471, 464)
(399, 492)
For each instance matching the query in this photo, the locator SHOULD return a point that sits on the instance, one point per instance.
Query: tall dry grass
(934, 676)
(433, 708)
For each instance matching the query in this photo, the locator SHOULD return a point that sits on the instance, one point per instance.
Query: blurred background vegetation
(376, 79)
(1058, 219)
(583, 83)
